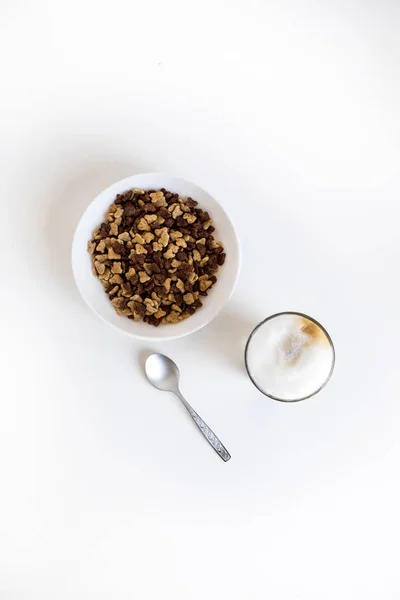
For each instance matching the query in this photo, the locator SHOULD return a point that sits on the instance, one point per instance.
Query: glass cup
(289, 357)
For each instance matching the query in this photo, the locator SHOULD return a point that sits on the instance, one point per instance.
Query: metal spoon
(163, 374)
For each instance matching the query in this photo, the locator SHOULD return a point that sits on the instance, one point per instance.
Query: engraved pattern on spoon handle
(205, 430)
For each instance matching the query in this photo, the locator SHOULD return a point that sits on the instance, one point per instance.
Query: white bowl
(92, 290)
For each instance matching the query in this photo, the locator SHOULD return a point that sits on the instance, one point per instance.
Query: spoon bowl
(162, 373)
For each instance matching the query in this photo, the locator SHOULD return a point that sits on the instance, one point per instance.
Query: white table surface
(288, 112)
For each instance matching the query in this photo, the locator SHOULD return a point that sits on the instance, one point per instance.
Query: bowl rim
(279, 314)
(194, 328)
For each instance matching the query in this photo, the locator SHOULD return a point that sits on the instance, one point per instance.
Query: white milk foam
(289, 357)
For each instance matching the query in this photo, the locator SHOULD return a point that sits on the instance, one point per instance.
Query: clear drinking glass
(289, 357)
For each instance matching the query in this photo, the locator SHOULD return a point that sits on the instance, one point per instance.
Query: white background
(288, 112)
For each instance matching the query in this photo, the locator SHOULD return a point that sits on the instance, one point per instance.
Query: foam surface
(289, 357)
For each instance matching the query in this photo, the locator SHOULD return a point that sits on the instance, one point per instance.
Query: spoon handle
(205, 430)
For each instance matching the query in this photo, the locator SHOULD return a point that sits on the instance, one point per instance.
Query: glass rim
(299, 314)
